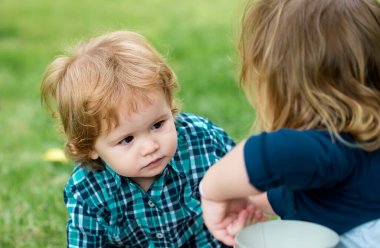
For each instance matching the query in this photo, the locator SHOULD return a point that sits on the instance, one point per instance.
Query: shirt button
(151, 204)
(159, 235)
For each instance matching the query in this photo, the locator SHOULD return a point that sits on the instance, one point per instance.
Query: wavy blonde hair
(309, 64)
(85, 87)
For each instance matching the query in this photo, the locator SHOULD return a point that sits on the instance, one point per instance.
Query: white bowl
(287, 234)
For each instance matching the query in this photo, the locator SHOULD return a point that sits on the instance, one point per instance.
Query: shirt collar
(113, 174)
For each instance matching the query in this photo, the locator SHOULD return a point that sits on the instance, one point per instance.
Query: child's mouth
(154, 163)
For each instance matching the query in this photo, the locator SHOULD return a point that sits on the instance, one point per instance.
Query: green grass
(198, 38)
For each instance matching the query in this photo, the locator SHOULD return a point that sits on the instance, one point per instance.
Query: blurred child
(312, 71)
(138, 162)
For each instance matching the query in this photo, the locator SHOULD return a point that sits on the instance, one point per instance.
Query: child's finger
(250, 216)
(257, 216)
(223, 236)
(238, 223)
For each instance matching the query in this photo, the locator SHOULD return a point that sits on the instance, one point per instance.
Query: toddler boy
(138, 161)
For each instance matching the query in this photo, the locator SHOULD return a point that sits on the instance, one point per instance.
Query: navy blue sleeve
(277, 200)
(295, 160)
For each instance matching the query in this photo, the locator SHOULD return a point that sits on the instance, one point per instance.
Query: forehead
(139, 103)
(128, 109)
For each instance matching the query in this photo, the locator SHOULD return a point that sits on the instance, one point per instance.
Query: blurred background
(197, 37)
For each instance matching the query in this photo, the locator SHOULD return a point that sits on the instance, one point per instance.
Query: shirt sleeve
(295, 160)
(222, 141)
(83, 228)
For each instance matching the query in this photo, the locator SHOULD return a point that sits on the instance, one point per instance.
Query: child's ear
(94, 155)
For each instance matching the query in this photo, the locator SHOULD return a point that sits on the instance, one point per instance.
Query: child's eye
(127, 140)
(158, 125)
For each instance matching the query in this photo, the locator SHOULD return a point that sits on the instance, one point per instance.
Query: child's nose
(149, 146)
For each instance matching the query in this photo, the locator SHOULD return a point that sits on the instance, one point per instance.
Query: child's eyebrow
(163, 116)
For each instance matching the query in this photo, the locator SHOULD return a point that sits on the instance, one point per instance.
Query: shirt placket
(157, 228)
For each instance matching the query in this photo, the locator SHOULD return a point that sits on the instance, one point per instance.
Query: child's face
(143, 143)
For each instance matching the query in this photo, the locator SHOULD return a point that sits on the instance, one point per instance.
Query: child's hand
(219, 216)
(246, 217)
(225, 219)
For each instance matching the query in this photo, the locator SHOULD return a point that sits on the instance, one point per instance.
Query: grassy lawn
(198, 38)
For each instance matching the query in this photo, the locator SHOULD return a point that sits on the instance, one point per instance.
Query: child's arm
(83, 228)
(228, 178)
(225, 189)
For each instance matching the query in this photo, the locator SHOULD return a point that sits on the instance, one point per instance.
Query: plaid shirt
(106, 209)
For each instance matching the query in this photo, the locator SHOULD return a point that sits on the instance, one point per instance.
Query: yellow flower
(55, 155)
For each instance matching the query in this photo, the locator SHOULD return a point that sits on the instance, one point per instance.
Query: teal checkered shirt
(108, 210)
